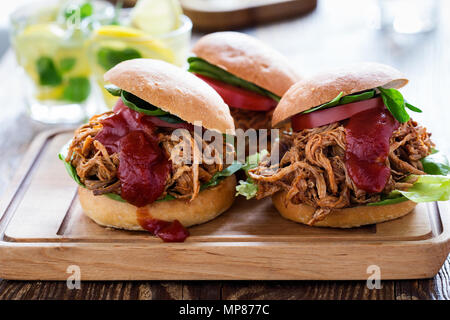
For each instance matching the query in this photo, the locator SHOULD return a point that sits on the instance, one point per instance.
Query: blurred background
(53, 53)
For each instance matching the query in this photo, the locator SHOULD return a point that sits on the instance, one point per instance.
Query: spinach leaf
(219, 176)
(330, 104)
(436, 165)
(171, 118)
(70, 170)
(113, 90)
(67, 64)
(412, 108)
(77, 89)
(394, 102)
(340, 100)
(200, 66)
(48, 74)
(108, 57)
(357, 97)
(132, 102)
(115, 197)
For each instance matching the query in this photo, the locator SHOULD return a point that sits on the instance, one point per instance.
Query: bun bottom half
(342, 218)
(209, 204)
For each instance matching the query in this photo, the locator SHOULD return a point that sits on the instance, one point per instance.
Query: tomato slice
(240, 98)
(322, 117)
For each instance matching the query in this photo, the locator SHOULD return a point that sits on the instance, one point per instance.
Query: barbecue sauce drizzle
(143, 168)
(368, 134)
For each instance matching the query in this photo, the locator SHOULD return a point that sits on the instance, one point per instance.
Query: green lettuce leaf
(429, 188)
(436, 164)
(200, 66)
(248, 188)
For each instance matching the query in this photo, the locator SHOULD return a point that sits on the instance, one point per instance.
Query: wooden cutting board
(219, 15)
(43, 231)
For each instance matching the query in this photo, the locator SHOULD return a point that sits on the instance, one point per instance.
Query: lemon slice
(36, 41)
(120, 32)
(119, 38)
(50, 93)
(156, 17)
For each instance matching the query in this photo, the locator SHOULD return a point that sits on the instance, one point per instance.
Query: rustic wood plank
(309, 290)
(201, 290)
(91, 290)
(437, 288)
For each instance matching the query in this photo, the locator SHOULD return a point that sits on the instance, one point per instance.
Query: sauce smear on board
(167, 231)
(368, 134)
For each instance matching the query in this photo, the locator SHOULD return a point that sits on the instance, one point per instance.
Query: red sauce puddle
(368, 134)
(167, 231)
(143, 167)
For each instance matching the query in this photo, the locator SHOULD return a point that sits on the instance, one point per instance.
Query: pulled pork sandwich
(133, 173)
(249, 76)
(353, 157)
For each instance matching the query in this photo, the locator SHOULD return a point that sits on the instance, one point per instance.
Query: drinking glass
(114, 45)
(50, 40)
(409, 16)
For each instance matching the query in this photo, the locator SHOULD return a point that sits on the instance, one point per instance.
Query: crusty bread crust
(173, 90)
(209, 204)
(342, 218)
(248, 58)
(324, 87)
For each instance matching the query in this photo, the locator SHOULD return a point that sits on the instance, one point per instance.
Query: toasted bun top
(324, 87)
(249, 59)
(173, 90)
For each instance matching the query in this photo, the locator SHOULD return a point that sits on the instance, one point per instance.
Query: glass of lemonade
(113, 44)
(50, 39)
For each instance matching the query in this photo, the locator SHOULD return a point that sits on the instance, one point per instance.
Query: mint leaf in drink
(67, 64)
(77, 89)
(84, 10)
(108, 57)
(48, 74)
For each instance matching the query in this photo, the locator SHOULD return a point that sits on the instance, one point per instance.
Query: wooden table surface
(338, 32)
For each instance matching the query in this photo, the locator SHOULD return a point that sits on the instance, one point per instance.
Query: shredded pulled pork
(97, 169)
(312, 168)
(247, 119)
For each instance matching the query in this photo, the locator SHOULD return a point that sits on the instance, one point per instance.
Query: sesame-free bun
(325, 86)
(342, 218)
(173, 90)
(121, 215)
(248, 58)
